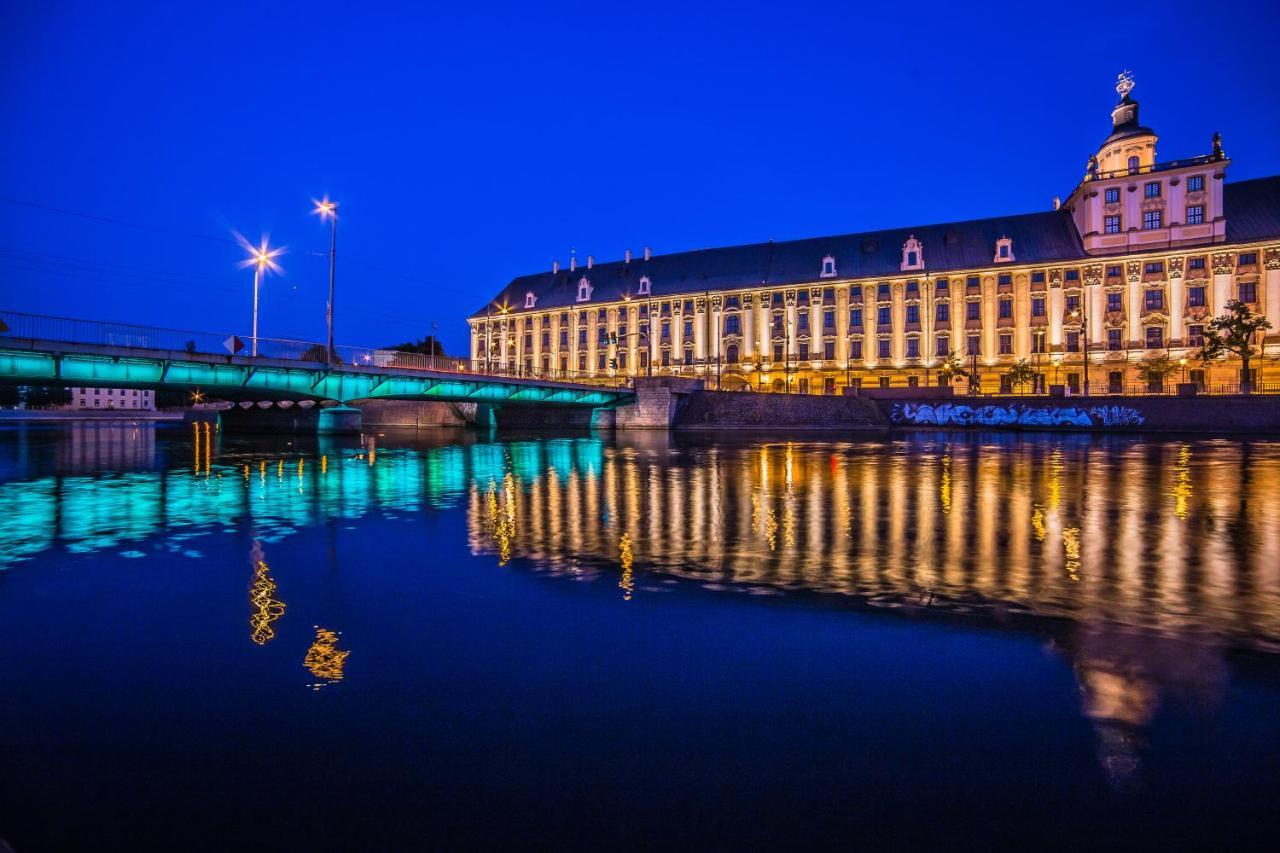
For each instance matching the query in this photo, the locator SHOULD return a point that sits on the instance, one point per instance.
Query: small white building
(112, 398)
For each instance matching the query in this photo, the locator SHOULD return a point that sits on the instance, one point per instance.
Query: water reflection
(264, 607)
(324, 659)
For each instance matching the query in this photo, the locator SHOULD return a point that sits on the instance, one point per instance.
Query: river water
(404, 640)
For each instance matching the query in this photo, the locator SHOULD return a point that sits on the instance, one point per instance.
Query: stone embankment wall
(1258, 414)
(721, 410)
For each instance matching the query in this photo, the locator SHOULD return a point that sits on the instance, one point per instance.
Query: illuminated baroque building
(1134, 263)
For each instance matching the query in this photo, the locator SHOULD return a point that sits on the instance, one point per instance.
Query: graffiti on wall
(1013, 414)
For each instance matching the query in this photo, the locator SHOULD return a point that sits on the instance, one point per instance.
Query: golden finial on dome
(1124, 83)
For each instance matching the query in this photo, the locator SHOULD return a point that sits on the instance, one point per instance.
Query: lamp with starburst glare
(262, 259)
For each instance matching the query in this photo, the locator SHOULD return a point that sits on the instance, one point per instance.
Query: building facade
(112, 398)
(1133, 265)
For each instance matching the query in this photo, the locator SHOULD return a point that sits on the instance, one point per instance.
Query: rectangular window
(1195, 297)
(1006, 344)
(666, 358)
(688, 330)
(1111, 224)
(1073, 342)
(913, 347)
(1195, 214)
(1151, 220)
(829, 318)
(1195, 184)
(855, 350)
(971, 281)
(975, 345)
(913, 313)
(1113, 195)
(1248, 292)
(1195, 263)
(884, 347)
(882, 291)
(732, 325)
(802, 321)
(777, 352)
(828, 295)
(1195, 336)
(1005, 279)
(882, 316)
(941, 347)
(1037, 277)
(1037, 306)
(1037, 343)
(1072, 275)
(913, 288)
(1005, 308)
(1248, 259)
(1073, 303)
(829, 350)
(1154, 267)
(942, 286)
(1115, 271)
(1154, 300)
(1114, 340)
(973, 310)
(804, 351)
(1114, 301)
(1155, 337)
(1152, 189)
(855, 318)
(802, 298)
(942, 312)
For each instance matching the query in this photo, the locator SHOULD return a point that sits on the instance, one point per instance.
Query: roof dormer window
(828, 267)
(646, 286)
(912, 254)
(530, 300)
(1004, 251)
(584, 289)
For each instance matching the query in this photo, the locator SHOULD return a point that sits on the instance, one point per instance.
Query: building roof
(1252, 209)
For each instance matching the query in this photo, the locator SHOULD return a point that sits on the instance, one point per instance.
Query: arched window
(731, 325)
(731, 354)
(912, 254)
(1133, 165)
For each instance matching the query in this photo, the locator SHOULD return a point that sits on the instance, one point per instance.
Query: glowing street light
(327, 209)
(262, 259)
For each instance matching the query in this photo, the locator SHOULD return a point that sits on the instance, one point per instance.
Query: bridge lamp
(262, 259)
(327, 209)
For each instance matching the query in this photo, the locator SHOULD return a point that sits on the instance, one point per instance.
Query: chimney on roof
(626, 257)
(573, 263)
(648, 253)
(591, 260)
(1057, 203)
(555, 266)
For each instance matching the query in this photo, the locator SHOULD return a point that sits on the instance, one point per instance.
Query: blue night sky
(471, 144)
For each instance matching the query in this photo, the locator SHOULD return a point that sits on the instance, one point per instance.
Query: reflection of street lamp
(329, 210)
(262, 259)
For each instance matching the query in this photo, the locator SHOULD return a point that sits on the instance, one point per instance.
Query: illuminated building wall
(1135, 262)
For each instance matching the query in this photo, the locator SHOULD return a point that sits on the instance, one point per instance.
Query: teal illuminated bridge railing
(42, 350)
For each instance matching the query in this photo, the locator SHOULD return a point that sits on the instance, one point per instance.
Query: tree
(1156, 369)
(952, 368)
(313, 353)
(1232, 333)
(1021, 373)
(427, 346)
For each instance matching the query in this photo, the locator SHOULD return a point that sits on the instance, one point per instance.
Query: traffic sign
(233, 344)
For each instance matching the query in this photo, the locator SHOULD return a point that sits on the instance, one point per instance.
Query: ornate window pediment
(646, 286)
(530, 299)
(828, 267)
(584, 289)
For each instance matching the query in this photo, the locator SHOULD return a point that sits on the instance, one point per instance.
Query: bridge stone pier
(658, 401)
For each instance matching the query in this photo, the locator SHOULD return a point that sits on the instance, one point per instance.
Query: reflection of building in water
(1133, 532)
(91, 447)
(1124, 677)
(264, 607)
(324, 659)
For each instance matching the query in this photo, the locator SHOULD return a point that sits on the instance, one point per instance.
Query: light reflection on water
(1170, 536)
(1140, 563)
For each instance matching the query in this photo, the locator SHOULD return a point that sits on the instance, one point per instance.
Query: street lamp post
(262, 259)
(329, 210)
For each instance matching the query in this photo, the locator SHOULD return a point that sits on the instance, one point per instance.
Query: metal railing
(16, 325)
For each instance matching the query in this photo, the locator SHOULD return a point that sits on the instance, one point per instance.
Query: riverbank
(99, 415)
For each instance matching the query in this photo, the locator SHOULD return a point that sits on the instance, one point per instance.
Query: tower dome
(1130, 147)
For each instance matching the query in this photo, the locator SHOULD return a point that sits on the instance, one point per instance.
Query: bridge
(59, 351)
